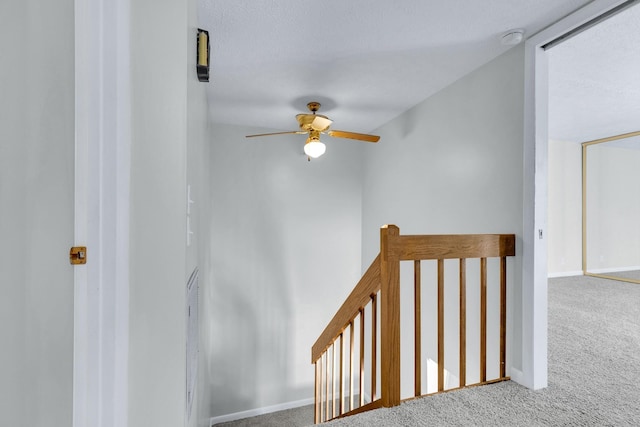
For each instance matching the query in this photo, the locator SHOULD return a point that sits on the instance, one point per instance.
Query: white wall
(199, 251)
(613, 208)
(170, 151)
(453, 164)
(158, 270)
(36, 212)
(286, 253)
(564, 229)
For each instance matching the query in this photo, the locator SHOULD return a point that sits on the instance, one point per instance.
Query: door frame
(534, 284)
(102, 158)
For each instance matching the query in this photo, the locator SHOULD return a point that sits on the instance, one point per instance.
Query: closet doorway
(611, 207)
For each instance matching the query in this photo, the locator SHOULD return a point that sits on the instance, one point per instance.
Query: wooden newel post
(390, 316)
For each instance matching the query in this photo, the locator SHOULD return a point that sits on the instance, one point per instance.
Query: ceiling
(594, 84)
(366, 61)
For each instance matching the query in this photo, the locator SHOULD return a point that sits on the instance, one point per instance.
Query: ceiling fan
(316, 124)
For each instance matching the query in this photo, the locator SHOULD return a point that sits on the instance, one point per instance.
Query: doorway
(536, 139)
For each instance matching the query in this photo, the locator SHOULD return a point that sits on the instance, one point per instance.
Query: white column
(101, 212)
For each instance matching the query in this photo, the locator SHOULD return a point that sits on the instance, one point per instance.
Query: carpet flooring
(594, 373)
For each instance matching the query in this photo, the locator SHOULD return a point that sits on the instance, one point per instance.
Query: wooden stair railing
(371, 314)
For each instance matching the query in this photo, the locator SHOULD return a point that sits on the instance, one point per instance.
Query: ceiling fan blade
(321, 123)
(275, 133)
(353, 135)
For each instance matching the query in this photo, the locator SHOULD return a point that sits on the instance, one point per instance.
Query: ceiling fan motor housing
(309, 122)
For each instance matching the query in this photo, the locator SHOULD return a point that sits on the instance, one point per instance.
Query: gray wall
(613, 208)
(158, 271)
(286, 253)
(170, 151)
(565, 209)
(199, 252)
(36, 212)
(453, 164)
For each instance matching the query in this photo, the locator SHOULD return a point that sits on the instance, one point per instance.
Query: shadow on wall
(252, 312)
(285, 247)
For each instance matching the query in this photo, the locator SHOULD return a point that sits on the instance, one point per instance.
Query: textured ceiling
(594, 81)
(366, 61)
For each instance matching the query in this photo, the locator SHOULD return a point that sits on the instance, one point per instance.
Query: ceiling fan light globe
(314, 149)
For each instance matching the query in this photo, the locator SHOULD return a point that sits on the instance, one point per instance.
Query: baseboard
(260, 411)
(517, 375)
(565, 274)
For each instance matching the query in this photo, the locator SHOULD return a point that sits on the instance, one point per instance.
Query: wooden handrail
(453, 246)
(379, 289)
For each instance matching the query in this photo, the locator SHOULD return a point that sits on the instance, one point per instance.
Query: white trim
(516, 375)
(565, 274)
(101, 287)
(534, 251)
(534, 280)
(120, 32)
(260, 411)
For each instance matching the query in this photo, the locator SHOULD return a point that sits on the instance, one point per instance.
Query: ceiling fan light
(314, 148)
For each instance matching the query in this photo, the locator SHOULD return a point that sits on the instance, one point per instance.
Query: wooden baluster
(316, 419)
(417, 329)
(503, 316)
(483, 320)
(463, 323)
(351, 343)
(374, 346)
(390, 315)
(361, 357)
(333, 381)
(440, 325)
(327, 413)
(323, 373)
(341, 382)
(332, 410)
